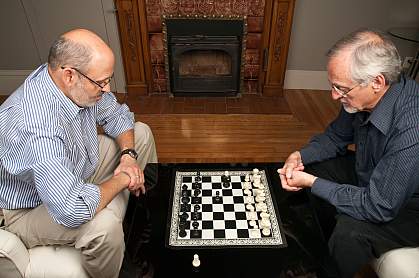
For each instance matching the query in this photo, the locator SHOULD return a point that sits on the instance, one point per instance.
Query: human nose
(106, 88)
(335, 95)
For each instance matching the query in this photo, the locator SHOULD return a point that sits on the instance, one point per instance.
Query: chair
(401, 263)
(41, 261)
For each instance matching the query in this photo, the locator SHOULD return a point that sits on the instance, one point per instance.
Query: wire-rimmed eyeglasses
(101, 84)
(341, 92)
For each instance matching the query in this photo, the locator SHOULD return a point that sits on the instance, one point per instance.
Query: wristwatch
(130, 152)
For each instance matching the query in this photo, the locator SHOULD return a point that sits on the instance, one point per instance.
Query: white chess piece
(196, 262)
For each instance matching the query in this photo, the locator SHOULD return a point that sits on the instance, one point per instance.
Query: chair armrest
(402, 262)
(13, 249)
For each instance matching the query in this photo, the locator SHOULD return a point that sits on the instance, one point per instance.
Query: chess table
(151, 226)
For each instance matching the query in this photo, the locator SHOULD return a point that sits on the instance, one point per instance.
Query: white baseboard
(294, 79)
(305, 79)
(10, 80)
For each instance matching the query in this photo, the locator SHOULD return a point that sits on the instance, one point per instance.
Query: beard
(349, 109)
(80, 97)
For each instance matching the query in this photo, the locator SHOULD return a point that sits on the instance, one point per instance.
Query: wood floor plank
(236, 138)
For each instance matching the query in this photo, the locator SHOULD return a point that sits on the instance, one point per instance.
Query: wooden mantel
(268, 25)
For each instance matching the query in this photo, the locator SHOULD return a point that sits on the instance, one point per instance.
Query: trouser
(354, 243)
(101, 240)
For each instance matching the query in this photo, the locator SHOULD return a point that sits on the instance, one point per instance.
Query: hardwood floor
(245, 137)
(188, 130)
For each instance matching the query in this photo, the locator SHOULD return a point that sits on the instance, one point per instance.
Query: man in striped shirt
(367, 202)
(60, 182)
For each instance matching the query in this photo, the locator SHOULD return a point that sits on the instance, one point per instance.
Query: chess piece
(217, 198)
(226, 178)
(196, 262)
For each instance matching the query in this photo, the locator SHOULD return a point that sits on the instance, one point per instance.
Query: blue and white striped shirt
(49, 147)
(387, 156)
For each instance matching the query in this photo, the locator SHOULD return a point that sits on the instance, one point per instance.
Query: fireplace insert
(204, 57)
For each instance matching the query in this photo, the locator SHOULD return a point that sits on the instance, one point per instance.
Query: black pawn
(217, 198)
(196, 192)
(182, 233)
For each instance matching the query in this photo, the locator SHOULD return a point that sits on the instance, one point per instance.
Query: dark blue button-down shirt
(387, 156)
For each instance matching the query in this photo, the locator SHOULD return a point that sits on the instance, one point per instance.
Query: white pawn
(196, 262)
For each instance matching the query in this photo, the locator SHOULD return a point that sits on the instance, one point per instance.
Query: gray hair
(65, 52)
(372, 53)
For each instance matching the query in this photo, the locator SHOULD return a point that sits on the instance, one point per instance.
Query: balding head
(81, 49)
(368, 53)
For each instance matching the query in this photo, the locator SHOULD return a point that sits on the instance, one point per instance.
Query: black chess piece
(184, 187)
(195, 225)
(196, 185)
(226, 184)
(196, 192)
(225, 178)
(184, 216)
(217, 198)
(182, 232)
(185, 200)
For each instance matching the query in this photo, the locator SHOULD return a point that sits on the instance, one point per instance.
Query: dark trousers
(354, 243)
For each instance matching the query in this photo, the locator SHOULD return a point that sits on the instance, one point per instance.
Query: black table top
(305, 243)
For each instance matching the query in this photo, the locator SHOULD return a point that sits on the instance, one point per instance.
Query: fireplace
(204, 56)
(262, 26)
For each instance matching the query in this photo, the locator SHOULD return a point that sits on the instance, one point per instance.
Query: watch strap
(130, 152)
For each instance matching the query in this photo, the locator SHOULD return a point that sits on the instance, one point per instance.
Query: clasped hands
(292, 175)
(129, 166)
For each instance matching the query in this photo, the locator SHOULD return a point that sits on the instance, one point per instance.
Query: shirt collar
(70, 109)
(382, 115)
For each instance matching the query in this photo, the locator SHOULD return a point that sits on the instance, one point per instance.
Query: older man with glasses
(60, 182)
(367, 202)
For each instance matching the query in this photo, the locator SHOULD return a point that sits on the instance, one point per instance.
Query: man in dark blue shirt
(367, 202)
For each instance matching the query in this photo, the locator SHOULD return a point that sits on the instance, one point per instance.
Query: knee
(143, 133)
(115, 234)
(110, 232)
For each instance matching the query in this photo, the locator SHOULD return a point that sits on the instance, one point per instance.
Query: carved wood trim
(277, 31)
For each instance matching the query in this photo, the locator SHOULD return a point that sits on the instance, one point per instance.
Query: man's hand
(129, 166)
(293, 163)
(298, 181)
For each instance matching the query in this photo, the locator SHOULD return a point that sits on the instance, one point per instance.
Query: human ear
(378, 82)
(67, 76)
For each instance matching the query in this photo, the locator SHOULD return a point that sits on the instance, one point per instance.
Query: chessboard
(223, 209)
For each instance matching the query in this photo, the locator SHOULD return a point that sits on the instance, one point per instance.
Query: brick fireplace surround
(144, 46)
(252, 10)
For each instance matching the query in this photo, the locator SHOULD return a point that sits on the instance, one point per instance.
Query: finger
(141, 178)
(284, 182)
(288, 171)
(299, 168)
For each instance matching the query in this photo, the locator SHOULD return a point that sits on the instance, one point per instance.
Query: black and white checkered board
(226, 223)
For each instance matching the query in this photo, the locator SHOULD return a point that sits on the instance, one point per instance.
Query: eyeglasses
(341, 92)
(101, 84)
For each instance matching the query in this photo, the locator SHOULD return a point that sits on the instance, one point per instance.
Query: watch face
(130, 152)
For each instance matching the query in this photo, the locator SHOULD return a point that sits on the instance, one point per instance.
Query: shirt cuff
(91, 197)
